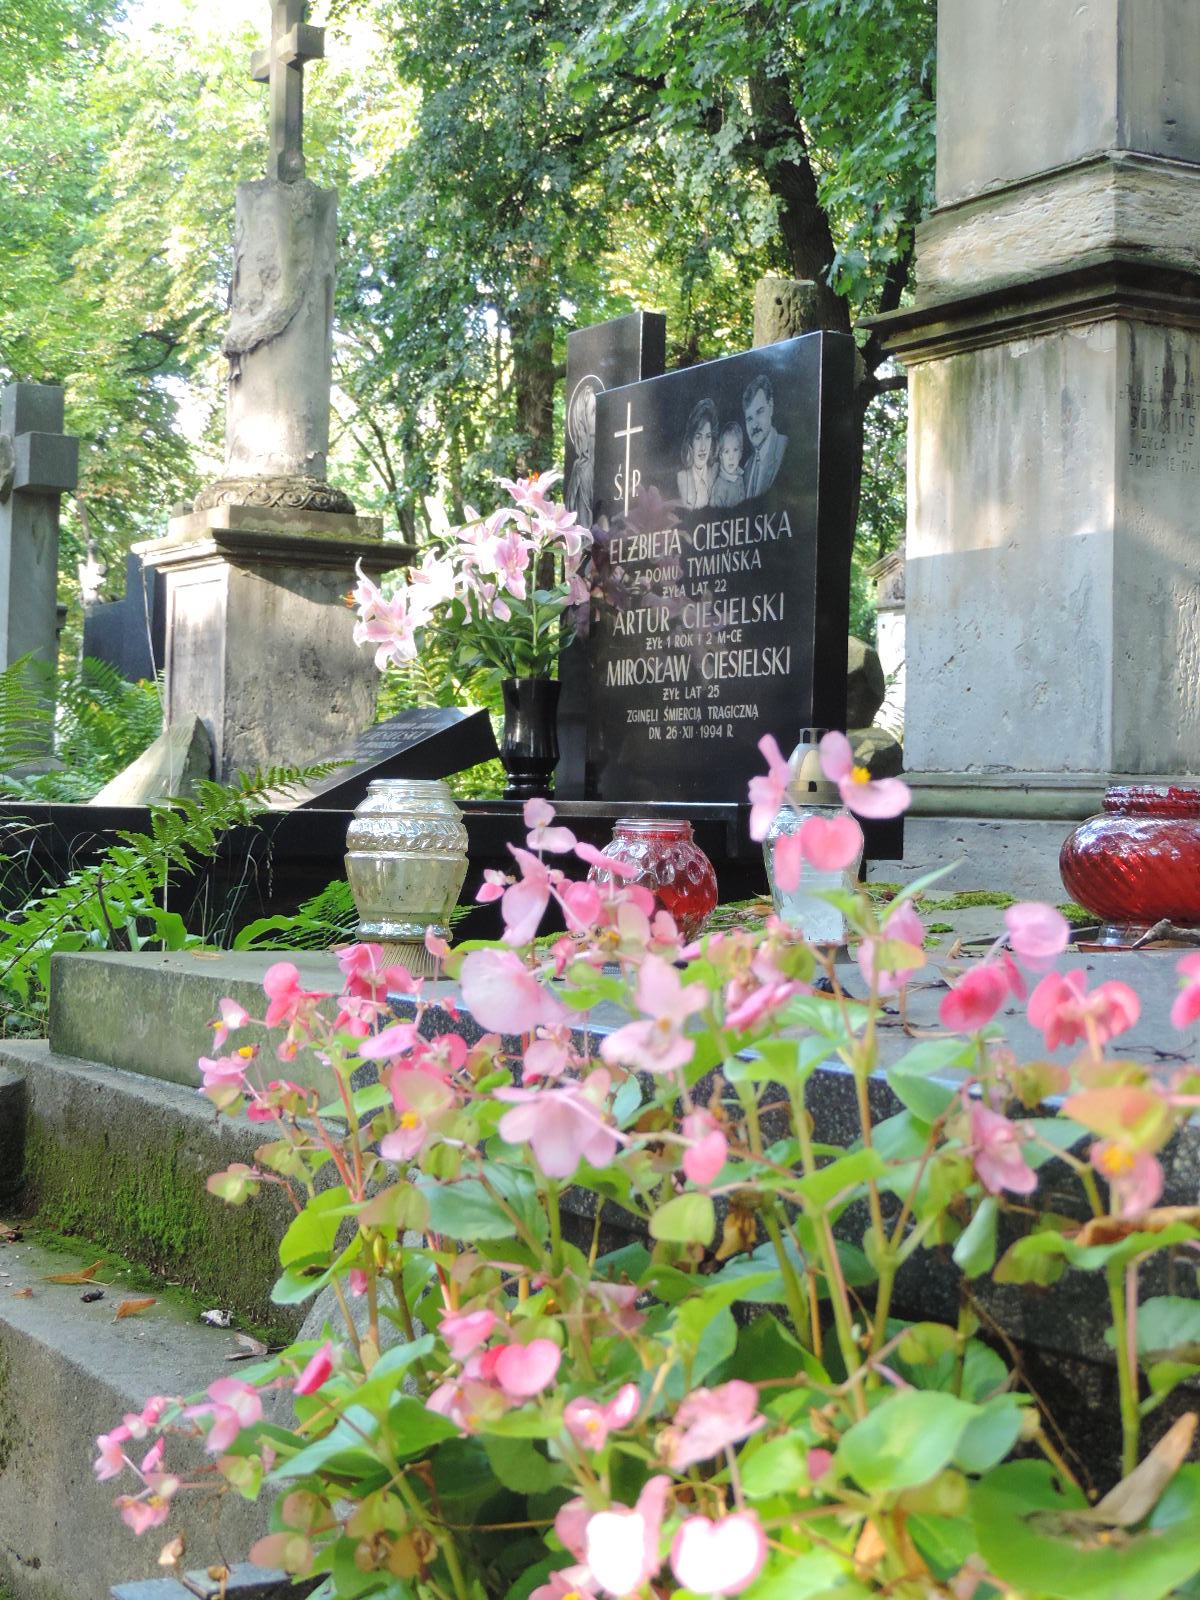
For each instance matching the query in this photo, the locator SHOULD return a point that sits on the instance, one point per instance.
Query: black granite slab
(424, 742)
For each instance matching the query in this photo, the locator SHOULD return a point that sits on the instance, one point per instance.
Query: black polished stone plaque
(605, 356)
(426, 742)
(721, 569)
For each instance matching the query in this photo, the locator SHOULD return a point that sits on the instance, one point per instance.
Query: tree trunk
(533, 389)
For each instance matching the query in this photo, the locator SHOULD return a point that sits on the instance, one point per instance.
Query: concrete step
(149, 1012)
(123, 1161)
(68, 1372)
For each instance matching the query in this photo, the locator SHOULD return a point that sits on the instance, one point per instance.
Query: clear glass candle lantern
(810, 795)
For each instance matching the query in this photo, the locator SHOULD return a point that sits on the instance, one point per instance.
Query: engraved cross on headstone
(281, 64)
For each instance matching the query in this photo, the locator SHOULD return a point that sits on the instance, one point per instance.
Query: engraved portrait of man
(766, 444)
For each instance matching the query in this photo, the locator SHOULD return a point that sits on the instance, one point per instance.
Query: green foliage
(119, 901)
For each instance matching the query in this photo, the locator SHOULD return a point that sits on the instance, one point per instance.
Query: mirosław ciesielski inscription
(722, 568)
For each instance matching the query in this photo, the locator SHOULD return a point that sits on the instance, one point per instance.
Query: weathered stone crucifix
(281, 64)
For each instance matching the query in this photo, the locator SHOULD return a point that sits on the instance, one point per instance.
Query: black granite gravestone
(426, 742)
(130, 634)
(606, 356)
(721, 570)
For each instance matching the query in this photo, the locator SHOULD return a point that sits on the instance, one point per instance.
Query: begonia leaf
(906, 1440)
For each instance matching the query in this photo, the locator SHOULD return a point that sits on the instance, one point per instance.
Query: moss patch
(153, 1210)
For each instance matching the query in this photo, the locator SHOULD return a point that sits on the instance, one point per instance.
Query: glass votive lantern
(670, 864)
(1137, 862)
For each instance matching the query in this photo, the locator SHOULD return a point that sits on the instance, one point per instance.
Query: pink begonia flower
(110, 1463)
(143, 1514)
(707, 1152)
(710, 1419)
(317, 1372)
(367, 975)
(564, 1125)
(290, 1002)
(234, 1406)
(767, 795)
(620, 1306)
(153, 1459)
(397, 1040)
(523, 1370)
(419, 1098)
(524, 904)
(789, 861)
(1134, 1176)
(545, 1058)
(592, 856)
(570, 1524)
(903, 926)
(137, 1424)
(539, 814)
(975, 998)
(358, 1282)
(465, 1331)
(819, 1462)
(589, 1422)
(657, 1045)
(761, 1002)
(830, 844)
(231, 1017)
(1061, 1008)
(468, 1402)
(996, 1148)
(1187, 1003)
(504, 996)
(622, 1546)
(223, 1072)
(493, 886)
(1038, 933)
(436, 945)
(864, 795)
(569, 1583)
(719, 1558)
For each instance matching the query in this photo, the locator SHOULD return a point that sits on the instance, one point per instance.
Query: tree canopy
(506, 171)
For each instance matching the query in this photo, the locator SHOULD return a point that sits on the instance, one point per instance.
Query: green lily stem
(1127, 1370)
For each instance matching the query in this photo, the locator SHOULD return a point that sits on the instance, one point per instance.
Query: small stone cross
(281, 64)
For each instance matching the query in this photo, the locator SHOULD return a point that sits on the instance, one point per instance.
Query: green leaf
(840, 1177)
(518, 1465)
(990, 1437)
(688, 1219)
(1168, 1325)
(790, 1062)
(465, 1211)
(778, 1467)
(310, 1237)
(1018, 1511)
(907, 1440)
(975, 1251)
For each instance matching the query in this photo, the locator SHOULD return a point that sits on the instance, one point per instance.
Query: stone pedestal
(1053, 553)
(38, 465)
(259, 636)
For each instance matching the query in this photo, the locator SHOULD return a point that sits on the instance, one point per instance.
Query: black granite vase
(529, 745)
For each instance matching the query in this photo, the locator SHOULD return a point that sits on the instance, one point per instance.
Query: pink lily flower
(767, 795)
(710, 1419)
(657, 1045)
(719, 1558)
(504, 996)
(1038, 933)
(996, 1146)
(564, 1125)
(862, 794)
(1187, 1003)
(622, 1544)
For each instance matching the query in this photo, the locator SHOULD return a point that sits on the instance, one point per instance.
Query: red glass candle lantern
(671, 865)
(1138, 862)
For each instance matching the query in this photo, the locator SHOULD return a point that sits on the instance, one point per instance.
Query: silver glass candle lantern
(407, 861)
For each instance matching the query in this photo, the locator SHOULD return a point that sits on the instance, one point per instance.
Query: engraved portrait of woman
(581, 431)
(699, 456)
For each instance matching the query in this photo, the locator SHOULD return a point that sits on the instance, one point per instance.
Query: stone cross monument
(280, 339)
(38, 465)
(258, 637)
(1053, 352)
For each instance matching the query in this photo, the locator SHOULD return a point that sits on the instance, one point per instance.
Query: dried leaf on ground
(252, 1349)
(85, 1276)
(171, 1554)
(130, 1308)
(23, 1294)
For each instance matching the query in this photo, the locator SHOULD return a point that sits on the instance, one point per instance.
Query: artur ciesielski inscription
(280, 339)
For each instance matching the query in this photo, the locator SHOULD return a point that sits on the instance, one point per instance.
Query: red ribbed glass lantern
(1138, 862)
(671, 865)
